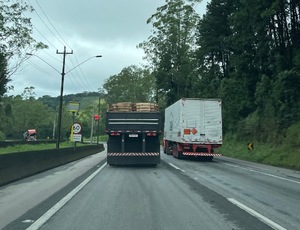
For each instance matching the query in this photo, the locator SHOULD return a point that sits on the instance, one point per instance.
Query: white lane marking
(174, 166)
(252, 212)
(27, 221)
(44, 218)
(266, 174)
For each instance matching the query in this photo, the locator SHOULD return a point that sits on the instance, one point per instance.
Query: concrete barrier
(15, 166)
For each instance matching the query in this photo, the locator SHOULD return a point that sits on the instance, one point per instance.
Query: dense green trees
(132, 84)
(170, 50)
(244, 52)
(19, 113)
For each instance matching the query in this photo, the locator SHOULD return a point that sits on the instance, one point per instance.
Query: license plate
(133, 135)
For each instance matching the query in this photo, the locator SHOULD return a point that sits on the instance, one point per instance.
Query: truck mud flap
(133, 158)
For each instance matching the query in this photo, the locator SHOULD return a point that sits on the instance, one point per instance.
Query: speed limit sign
(77, 128)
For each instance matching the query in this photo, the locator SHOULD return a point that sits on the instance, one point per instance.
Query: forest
(247, 53)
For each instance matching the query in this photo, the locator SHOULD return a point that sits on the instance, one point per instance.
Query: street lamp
(63, 73)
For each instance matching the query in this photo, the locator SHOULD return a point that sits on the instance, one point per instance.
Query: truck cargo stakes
(193, 128)
(133, 131)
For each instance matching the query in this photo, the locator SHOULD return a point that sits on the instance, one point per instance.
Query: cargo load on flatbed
(193, 128)
(133, 130)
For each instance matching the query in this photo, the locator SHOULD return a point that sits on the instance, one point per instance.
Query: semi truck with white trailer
(133, 134)
(193, 128)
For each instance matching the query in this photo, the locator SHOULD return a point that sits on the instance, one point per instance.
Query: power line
(45, 23)
(43, 36)
(41, 69)
(52, 24)
(36, 27)
(82, 77)
(82, 73)
(52, 57)
(83, 83)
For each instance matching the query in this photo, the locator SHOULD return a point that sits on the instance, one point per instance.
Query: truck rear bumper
(201, 154)
(139, 158)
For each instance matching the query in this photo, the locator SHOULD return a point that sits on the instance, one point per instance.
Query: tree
(28, 92)
(249, 55)
(20, 115)
(170, 49)
(132, 84)
(15, 36)
(3, 73)
(214, 45)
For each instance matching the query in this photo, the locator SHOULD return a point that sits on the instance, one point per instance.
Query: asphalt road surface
(177, 194)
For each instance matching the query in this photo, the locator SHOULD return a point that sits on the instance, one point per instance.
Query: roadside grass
(102, 138)
(285, 155)
(30, 147)
(33, 147)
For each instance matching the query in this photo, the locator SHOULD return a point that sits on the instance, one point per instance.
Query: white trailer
(193, 127)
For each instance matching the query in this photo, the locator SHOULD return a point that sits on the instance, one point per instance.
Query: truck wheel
(177, 154)
(209, 158)
(164, 145)
(180, 156)
(168, 149)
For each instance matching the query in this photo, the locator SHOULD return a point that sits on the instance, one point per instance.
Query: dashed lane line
(266, 174)
(175, 167)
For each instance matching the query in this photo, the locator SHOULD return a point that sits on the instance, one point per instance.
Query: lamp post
(63, 73)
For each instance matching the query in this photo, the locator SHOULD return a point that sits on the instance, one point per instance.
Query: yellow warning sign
(250, 146)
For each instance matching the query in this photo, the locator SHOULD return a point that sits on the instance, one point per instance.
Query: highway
(177, 194)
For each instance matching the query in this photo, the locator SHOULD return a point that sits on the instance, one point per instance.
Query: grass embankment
(29, 147)
(285, 155)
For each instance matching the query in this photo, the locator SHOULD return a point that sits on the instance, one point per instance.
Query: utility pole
(54, 126)
(61, 95)
(98, 124)
(92, 126)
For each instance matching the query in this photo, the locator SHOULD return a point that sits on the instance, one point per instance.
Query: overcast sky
(111, 28)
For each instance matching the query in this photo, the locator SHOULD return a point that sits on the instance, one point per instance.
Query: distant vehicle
(193, 128)
(30, 135)
(133, 130)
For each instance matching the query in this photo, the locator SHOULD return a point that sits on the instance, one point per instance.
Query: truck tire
(168, 149)
(164, 146)
(210, 158)
(177, 154)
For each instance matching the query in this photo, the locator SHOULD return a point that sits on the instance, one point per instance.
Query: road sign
(76, 137)
(77, 128)
(250, 146)
(73, 106)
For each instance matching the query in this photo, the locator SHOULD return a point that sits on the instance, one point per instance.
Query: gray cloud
(111, 28)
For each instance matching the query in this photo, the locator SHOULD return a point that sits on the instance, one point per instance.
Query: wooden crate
(132, 107)
(121, 107)
(146, 107)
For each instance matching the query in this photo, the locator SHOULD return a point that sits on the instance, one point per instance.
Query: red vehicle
(30, 135)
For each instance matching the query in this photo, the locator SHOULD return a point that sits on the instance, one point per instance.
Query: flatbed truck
(133, 137)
